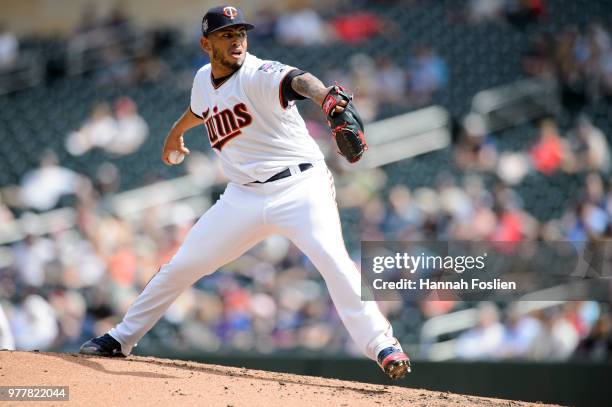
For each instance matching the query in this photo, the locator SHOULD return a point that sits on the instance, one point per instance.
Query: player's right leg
(228, 229)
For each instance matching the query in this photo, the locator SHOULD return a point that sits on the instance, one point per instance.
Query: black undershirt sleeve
(287, 92)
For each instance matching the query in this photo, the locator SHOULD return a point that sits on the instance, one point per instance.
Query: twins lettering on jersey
(224, 125)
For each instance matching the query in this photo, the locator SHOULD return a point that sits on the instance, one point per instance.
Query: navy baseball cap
(223, 16)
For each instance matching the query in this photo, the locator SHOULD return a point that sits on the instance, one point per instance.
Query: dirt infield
(140, 381)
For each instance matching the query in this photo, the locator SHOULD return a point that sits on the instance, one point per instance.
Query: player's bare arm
(174, 140)
(311, 87)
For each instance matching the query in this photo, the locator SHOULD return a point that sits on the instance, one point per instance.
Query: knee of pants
(327, 257)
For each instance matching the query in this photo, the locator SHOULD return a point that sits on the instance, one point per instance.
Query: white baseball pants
(302, 208)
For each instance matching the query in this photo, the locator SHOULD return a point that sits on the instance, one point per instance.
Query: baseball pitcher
(279, 184)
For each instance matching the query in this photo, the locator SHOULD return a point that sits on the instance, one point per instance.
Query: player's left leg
(307, 214)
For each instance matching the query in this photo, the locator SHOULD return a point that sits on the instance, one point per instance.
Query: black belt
(284, 174)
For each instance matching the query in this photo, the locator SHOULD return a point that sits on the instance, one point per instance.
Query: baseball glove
(346, 126)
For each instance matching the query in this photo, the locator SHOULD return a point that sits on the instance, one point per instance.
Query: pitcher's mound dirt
(140, 381)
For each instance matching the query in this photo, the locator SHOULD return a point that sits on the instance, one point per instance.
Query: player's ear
(205, 44)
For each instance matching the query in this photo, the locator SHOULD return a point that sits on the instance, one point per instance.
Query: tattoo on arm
(309, 86)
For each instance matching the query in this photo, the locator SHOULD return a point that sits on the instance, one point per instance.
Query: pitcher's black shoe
(394, 362)
(104, 345)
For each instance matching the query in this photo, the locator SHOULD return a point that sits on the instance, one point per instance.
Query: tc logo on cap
(205, 25)
(230, 12)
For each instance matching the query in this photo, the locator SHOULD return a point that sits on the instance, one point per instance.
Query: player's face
(227, 47)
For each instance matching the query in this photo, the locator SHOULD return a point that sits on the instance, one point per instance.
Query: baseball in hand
(176, 157)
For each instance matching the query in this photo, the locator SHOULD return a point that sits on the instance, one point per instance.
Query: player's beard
(217, 55)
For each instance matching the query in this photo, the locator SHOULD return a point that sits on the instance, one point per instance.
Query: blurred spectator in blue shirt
(9, 48)
(427, 73)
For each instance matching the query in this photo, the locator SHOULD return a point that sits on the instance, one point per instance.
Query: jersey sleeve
(266, 83)
(197, 96)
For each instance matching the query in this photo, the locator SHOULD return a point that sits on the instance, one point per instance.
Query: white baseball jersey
(249, 129)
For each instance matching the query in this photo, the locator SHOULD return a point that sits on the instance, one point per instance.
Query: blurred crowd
(517, 12)
(583, 147)
(579, 59)
(583, 151)
(380, 83)
(578, 330)
(122, 54)
(301, 25)
(120, 133)
(377, 81)
(66, 285)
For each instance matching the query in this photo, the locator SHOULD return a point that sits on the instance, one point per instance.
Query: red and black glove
(346, 126)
